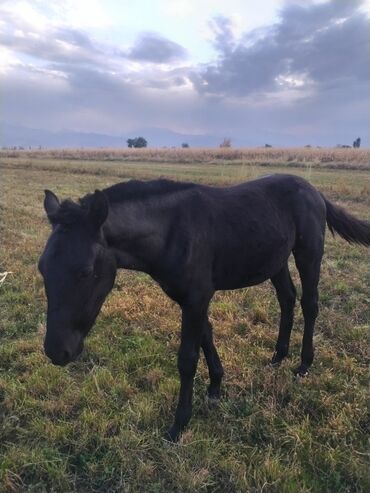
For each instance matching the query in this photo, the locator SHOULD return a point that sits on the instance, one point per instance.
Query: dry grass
(330, 157)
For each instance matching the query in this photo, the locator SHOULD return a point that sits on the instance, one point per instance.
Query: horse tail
(347, 226)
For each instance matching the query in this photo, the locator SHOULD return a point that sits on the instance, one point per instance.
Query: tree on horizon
(357, 142)
(137, 142)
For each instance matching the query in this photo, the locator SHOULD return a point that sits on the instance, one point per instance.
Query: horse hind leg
(308, 264)
(286, 294)
(215, 369)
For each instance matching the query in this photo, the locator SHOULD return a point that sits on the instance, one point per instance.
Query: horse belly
(242, 267)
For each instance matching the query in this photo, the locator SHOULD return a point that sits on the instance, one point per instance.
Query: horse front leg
(194, 319)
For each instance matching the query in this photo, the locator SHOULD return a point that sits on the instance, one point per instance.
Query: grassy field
(97, 425)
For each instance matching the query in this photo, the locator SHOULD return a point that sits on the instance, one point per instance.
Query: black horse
(192, 240)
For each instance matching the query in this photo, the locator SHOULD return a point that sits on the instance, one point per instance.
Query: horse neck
(136, 233)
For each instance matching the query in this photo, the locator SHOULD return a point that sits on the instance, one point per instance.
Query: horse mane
(136, 190)
(70, 212)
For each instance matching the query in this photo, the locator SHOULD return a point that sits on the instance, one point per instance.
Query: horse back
(246, 233)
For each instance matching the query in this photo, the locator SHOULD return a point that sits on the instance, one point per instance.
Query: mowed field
(97, 424)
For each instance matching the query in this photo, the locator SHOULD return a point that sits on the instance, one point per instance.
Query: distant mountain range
(17, 135)
(14, 135)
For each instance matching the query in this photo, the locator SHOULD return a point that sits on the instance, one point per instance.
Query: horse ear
(99, 208)
(51, 204)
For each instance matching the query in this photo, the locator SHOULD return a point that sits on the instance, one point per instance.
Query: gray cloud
(223, 34)
(314, 43)
(151, 47)
(61, 44)
(92, 101)
(57, 44)
(73, 53)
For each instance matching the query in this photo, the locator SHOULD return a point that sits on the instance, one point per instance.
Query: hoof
(213, 401)
(276, 360)
(301, 372)
(173, 434)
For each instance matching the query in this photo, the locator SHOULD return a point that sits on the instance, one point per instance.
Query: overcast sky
(286, 72)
